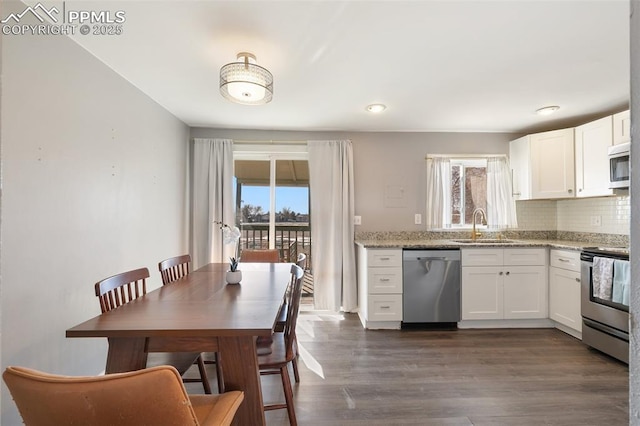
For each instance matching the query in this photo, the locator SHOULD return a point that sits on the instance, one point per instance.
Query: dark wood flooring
(352, 376)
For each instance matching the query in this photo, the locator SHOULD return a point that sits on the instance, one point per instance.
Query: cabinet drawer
(565, 259)
(385, 307)
(385, 280)
(384, 257)
(525, 256)
(482, 257)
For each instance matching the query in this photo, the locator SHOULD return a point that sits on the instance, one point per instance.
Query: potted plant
(231, 235)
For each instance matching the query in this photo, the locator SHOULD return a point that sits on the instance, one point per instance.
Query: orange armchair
(153, 396)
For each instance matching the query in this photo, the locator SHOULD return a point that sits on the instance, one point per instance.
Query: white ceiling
(474, 65)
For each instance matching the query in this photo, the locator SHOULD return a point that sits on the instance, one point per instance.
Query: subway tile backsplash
(602, 215)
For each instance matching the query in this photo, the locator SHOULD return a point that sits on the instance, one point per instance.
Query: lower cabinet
(564, 288)
(380, 287)
(510, 284)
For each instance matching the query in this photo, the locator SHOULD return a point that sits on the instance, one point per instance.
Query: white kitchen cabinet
(509, 283)
(543, 165)
(564, 288)
(380, 287)
(520, 170)
(622, 127)
(552, 164)
(592, 141)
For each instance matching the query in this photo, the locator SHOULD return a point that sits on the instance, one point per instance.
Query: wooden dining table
(200, 313)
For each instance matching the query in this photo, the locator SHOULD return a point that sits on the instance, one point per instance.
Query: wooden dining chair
(152, 396)
(122, 288)
(262, 255)
(171, 270)
(283, 348)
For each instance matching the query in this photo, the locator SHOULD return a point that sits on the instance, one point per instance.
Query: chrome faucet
(475, 234)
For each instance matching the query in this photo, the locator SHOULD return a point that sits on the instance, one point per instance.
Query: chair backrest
(302, 261)
(121, 288)
(293, 303)
(266, 255)
(174, 268)
(153, 396)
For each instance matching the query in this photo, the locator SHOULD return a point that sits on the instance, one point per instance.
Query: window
(271, 185)
(468, 190)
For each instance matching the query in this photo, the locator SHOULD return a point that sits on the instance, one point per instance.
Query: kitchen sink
(485, 241)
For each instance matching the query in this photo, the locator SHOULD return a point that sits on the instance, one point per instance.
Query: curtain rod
(268, 142)
(463, 156)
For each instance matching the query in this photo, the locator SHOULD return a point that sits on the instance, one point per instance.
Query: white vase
(234, 277)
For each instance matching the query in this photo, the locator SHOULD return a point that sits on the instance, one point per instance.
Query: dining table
(200, 312)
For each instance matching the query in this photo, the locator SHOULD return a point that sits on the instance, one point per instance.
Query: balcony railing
(290, 238)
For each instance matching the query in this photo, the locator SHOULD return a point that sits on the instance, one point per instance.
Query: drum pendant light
(246, 83)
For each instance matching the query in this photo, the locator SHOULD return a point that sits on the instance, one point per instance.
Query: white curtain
(332, 233)
(501, 207)
(212, 200)
(438, 193)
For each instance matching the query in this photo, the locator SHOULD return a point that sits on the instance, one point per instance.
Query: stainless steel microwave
(619, 165)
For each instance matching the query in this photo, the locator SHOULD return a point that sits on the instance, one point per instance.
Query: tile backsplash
(576, 215)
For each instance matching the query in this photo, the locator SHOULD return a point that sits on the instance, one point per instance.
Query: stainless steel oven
(605, 314)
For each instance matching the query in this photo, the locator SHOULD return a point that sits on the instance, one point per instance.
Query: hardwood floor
(352, 376)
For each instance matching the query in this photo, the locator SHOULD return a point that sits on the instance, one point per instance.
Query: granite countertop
(440, 244)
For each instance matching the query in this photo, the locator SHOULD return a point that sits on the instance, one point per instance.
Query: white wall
(93, 184)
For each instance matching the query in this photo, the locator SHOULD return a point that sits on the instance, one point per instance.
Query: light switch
(357, 220)
(418, 219)
(596, 220)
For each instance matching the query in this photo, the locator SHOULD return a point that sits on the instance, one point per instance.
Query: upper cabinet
(552, 164)
(520, 171)
(622, 127)
(592, 163)
(542, 165)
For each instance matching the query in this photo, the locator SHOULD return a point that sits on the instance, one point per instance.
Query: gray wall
(634, 362)
(386, 164)
(94, 177)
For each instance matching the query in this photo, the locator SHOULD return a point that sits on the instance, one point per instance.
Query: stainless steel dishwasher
(431, 286)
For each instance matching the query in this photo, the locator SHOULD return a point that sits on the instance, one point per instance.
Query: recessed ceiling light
(547, 110)
(376, 107)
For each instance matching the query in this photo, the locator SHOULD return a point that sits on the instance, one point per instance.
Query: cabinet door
(482, 292)
(622, 127)
(520, 171)
(552, 164)
(525, 292)
(592, 163)
(564, 297)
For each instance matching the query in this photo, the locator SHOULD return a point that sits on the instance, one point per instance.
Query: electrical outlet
(418, 219)
(596, 220)
(357, 220)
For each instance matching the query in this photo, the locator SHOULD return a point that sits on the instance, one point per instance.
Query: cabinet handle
(507, 272)
(384, 258)
(578, 279)
(384, 280)
(563, 260)
(500, 273)
(580, 190)
(385, 307)
(570, 191)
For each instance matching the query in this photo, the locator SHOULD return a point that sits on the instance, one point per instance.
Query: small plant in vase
(231, 235)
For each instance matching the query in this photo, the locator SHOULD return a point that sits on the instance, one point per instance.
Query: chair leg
(203, 375)
(294, 362)
(219, 373)
(288, 395)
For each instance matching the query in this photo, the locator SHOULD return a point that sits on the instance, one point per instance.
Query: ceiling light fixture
(376, 107)
(246, 83)
(547, 110)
